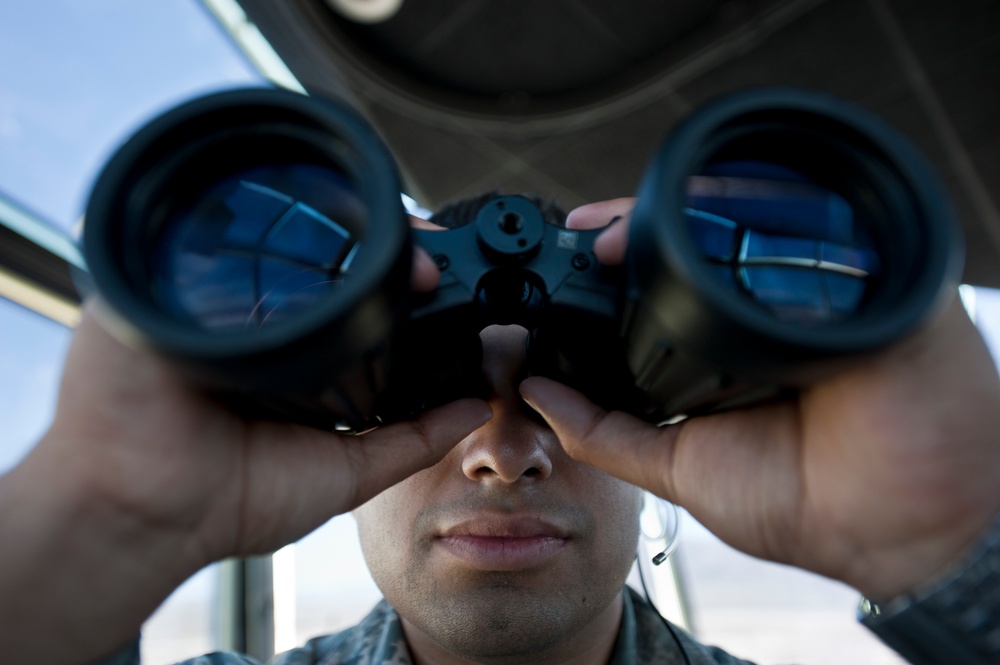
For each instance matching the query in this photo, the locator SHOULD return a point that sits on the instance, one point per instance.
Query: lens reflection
(259, 248)
(799, 249)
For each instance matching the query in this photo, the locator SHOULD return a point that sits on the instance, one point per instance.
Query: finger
(425, 225)
(391, 454)
(615, 442)
(616, 214)
(610, 246)
(425, 275)
(599, 214)
(298, 477)
(387, 455)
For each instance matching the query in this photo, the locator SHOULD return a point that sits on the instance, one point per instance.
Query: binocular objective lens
(258, 247)
(799, 249)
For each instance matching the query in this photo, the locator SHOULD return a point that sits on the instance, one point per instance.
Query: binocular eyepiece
(257, 239)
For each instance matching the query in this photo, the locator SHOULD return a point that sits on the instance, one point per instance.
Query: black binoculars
(257, 239)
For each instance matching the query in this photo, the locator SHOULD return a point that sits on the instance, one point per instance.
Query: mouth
(495, 543)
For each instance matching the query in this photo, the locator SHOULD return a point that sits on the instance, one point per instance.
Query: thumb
(390, 454)
(298, 477)
(615, 442)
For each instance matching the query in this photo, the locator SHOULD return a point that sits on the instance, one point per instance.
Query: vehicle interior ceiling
(570, 98)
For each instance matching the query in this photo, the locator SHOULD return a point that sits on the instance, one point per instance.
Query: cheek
(382, 539)
(386, 515)
(388, 528)
(385, 523)
(396, 507)
(616, 513)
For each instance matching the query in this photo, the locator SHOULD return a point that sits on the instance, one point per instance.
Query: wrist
(917, 562)
(951, 619)
(75, 567)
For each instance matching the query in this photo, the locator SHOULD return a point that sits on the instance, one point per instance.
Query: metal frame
(37, 264)
(245, 607)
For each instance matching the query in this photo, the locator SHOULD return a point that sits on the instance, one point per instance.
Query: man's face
(507, 546)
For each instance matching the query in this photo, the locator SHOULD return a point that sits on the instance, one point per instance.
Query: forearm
(77, 578)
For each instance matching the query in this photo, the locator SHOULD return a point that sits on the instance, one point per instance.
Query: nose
(515, 445)
(509, 449)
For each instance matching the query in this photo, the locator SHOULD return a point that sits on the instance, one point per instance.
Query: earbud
(660, 521)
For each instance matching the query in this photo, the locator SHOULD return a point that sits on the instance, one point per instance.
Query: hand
(879, 477)
(425, 275)
(142, 480)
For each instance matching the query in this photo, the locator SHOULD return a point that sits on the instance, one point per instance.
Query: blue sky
(31, 352)
(75, 79)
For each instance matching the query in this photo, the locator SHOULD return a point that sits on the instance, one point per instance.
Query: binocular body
(257, 238)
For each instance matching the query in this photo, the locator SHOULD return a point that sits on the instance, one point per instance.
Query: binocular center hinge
(510, 229)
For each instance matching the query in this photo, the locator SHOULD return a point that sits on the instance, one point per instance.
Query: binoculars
(257, 239)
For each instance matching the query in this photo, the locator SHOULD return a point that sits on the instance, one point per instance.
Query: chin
(504, 622)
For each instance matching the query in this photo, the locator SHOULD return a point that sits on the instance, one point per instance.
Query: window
(769, 613)
(32, 349)
(75, 79)
(78, 77)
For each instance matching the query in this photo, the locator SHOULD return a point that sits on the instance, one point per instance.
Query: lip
(497, 543)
